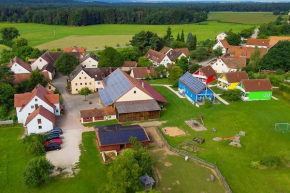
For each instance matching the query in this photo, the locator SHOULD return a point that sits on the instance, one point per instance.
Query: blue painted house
(193, 89)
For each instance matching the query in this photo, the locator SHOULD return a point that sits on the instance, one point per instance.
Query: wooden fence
(208, 164)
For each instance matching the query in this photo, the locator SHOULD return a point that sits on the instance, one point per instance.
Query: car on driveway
(54, 131)
(52, 146)
(58, 140)
(52, 136)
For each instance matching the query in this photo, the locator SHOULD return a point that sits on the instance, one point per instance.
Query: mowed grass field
(257, 119)
(252, 18)
(39, 34)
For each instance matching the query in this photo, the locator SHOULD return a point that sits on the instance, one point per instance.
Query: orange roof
(129, 64)
(74, 49)
(236, 63)
(21, 100)
(243, 52)
(165, 49)
(43, 112)
(275, 39)
(185, 51)
(258, 42)
(225, 43)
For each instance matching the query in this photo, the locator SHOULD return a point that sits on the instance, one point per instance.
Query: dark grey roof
(48, 67)
(147, 180)
(96, 73)
(137, 106)
(118, 134)
(51, 57)
(192, 83)
(90, 55)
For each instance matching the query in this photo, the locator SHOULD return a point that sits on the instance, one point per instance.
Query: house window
(99, 82)
(88, 118)
(35, 100)
(109, 117)
(94, 65)
(81, 83)
(39, 121)
(76, 84)
(80, 77)
(85, 77)
(77, 89)
(90, 83)
(32, 107)
(49, 87)
(264, 95)
(40, 60)
(82, 72)
(152, 114)
(39, 127)
(134, 91)
(56, 110)
(29, 114)
(85, 83)
(36, 106)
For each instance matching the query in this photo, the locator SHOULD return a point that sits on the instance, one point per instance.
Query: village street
(70, 124)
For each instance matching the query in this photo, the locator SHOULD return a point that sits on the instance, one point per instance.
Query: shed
(147, 182)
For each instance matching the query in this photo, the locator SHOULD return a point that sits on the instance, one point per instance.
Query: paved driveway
(70, 123)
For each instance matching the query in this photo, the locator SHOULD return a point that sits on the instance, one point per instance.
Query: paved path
(71, 125)
(220, 99)
(169, 87)
(275, 98)
(206, 62)
(255, 34)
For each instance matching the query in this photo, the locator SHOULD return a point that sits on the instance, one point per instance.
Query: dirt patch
(167, 164)
(173, 131)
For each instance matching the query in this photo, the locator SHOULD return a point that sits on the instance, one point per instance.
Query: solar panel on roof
(192, 82)
(116, 85)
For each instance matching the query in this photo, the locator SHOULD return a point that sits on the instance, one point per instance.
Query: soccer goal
(282, 127)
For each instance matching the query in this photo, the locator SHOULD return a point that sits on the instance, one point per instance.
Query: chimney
(143, 84)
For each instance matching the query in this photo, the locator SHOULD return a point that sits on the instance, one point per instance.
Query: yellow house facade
(230, 80)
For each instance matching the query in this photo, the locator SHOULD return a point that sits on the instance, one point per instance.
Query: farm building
(94, 115)
(116, 137)
(260, 43)
(255, 89)
(193, 89)
(205, 74)
(223, 44)
(89, 61)
(230, 80)
(226, 64)
(18, 66)
(128, 65)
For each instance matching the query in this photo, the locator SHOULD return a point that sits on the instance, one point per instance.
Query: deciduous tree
(85, 91)
(218, 52)
(178, 44)
(129, 54)
(144, 62)
(36, 77)
(110, 58)
(175, 73)
(183, 63)
(233, 39)
(9, 33)
(7, 95)
(66, 63)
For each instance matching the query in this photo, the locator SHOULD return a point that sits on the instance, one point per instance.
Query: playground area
(195, 125)
(173, 131)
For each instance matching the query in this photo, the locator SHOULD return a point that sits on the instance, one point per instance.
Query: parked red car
(58, 140)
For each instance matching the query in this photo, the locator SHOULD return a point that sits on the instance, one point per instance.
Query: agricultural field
(39, 34)
(249, 18)
(257, 119)
(2, 47)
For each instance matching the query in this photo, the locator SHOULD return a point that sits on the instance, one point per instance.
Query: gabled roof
(275, 39)
(155, 56)
(90, 55)
(208, 71)
(117, 84)
(140, 72)
(118, 134)
(137, 106)
(51, 57)
(48, 67)
(21, 100)
(192, 83)
(20, 62)
(130, 64)
(74, 49)
(225, 43)
(165, 49)
(236, 76)
(173, 55)
(26, 76)
(96, 73)
(43, 112)
(235, 63)
(244, 52)
(258, 42)
(152, 91)
(98, 112)
(185, 51)
(257, 85)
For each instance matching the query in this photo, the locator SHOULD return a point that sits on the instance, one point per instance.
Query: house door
(142, 116)
(36, 106)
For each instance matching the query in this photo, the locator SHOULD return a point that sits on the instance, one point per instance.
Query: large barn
(117, 137)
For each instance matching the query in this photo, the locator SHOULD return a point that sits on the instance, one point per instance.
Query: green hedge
(285, 95)
(285, 88)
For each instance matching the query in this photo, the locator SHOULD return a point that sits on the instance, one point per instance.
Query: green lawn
(257, 119)
(99, 123)
(159, 81)
(38, 34)
(252, 18)
(184, 177)
(14, 159)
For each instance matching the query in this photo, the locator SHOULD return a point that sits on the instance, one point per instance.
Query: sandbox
(173, 131)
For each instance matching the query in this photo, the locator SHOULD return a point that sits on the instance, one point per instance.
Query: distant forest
(67, 12)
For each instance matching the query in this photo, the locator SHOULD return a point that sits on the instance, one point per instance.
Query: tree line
(101, 15)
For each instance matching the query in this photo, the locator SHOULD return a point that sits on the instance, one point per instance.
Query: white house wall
(219, 44)
(134, 96)
(90, 63)
(18, 69)
(220, 67)
(33, 126)
(165, 61)
(39, 63)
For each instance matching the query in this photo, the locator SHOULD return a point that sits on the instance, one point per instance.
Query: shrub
(255, 164)
(261, 76)
(279, 72)
(276, 80)
(38, 172)
(233, 95)
(285, 88)
(270, 161)
(3, 111)
(251, 75)
(35, 143)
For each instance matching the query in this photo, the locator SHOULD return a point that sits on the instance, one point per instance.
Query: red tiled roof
(129, 64)
(43, 112)
(258, 42)
(244, 52)
(152, 91)
(257, 85)
(225, 43)
(74, 49)
(208, 71)
(21, 100)
(155, 56)
(235, 63)
(98, 112)
(275, 39)
(20, 62)
(236, 76)
(185, 51)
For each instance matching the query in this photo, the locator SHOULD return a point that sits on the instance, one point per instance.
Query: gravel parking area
(70, 124)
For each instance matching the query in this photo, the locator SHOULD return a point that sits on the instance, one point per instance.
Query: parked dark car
(55, 130)
(52, 146)
(52, 136)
